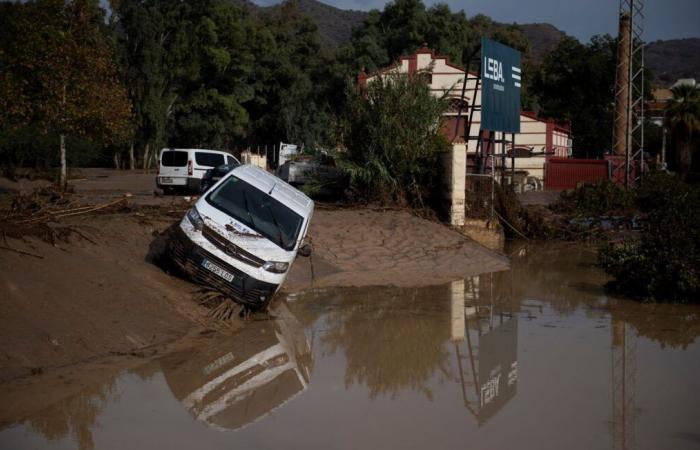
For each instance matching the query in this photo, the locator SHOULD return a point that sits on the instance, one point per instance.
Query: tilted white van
(243, 234)
(183, 168)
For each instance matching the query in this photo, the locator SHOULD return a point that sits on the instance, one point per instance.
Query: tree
(575, 83)
(683, 119)
(404, 25)
(212, 83)
(291, 80)
(394, 140)
(144, 33)
(59, 74)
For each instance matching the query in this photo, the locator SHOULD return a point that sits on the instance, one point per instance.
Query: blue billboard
(500, 92)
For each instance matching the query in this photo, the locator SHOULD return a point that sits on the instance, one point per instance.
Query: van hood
(242, 235)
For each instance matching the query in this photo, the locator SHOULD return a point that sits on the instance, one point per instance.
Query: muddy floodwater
(536, 357)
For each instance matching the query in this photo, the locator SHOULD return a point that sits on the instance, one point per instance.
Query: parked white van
(183, 168)
(243, 235)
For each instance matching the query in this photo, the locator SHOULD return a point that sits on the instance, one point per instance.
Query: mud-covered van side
(242, 237)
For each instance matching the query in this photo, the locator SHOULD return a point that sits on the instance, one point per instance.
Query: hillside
(542, 37)
(334, 25)
(673, 59)
(668, 60)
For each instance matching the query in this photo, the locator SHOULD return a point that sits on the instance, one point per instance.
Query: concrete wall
(247, 157)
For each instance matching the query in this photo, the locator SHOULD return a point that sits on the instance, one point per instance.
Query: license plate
(217, 270)
(166, 180)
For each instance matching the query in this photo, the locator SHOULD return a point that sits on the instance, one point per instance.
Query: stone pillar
(454, 184)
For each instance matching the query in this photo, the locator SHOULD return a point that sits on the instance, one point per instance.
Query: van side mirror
(304, 250)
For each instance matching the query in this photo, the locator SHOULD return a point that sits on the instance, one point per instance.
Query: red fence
(567, 173)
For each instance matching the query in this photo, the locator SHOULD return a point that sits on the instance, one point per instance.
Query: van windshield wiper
(247, 210)
(282, 240)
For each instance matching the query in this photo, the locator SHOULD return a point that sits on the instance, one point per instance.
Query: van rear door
(173, 168)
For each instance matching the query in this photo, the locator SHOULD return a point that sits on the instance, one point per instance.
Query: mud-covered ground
(97, 293)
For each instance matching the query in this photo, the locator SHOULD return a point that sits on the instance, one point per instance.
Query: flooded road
(536, 357)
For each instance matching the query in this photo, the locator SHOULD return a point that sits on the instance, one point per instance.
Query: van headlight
(195, 219)
(276, 266)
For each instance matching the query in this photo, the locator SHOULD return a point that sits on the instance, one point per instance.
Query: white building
(537, 141)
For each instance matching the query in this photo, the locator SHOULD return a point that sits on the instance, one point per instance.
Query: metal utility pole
(628, 125)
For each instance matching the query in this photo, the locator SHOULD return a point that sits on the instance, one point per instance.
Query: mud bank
(99, 294)
(365, 247)
(81, 299)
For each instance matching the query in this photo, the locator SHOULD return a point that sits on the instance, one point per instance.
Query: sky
(664, 19)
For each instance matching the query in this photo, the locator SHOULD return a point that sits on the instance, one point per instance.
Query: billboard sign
(498, 368)
(500, 92)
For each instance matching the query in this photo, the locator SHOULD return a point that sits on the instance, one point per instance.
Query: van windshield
(258, 211)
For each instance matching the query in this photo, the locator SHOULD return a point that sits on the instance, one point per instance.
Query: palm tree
(682, 119)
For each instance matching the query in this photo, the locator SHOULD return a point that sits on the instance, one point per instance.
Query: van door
(172, 168)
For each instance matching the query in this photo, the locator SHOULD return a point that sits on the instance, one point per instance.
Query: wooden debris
(21, 252)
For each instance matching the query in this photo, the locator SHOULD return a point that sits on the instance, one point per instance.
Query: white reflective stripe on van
(258, 359)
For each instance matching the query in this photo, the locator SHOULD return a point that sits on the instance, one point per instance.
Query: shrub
(664, 264)
(595, 200)
(394, 140)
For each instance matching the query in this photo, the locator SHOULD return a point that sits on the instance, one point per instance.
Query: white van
(243, 235)
(183, 168)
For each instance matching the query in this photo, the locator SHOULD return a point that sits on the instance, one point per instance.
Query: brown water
(537, 357)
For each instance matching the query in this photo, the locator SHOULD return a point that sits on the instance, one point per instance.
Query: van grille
(243, 289)
(230, 248)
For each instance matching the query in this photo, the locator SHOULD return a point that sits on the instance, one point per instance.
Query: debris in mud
(220, 307)
(38, 213)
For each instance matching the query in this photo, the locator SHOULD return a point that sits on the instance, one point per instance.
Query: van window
(173, 159)
(230, 160)
(209, 159)
(257, 210)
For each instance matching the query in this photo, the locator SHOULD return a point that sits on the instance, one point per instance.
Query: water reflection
(538, 355)
(399, 340)
(238, 379)
(392, 339)
(485, 336)
(565, 277)
(624, 375)
(674, 326)
(75, 416)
